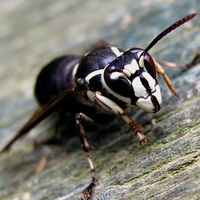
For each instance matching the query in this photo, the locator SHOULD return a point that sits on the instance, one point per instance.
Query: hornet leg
(111, 106)
(86, 194)
(195, 61)
(161, 71)
(175, 66)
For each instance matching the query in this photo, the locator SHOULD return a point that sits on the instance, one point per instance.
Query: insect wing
(42, 114)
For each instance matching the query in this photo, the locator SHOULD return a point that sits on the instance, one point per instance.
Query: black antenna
(169, 29)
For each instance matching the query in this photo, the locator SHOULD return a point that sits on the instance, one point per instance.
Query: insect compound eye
(117, 83)
(144, 60)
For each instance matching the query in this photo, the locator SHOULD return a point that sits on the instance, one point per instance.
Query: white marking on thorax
(75, 70)
(92, 74)
(116, 51)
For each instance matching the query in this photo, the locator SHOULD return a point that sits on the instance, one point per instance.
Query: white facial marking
(141, 61)
(124, 99)
(150, 80)
(139, 89)
(127, 72)
(157, 94)
(116, 51)
(116, 75)
(145, 104)
(139, 53)
(133, 67)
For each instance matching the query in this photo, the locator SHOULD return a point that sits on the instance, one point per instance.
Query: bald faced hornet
(100, 85)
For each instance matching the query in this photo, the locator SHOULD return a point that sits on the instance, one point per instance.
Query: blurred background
(34, 32)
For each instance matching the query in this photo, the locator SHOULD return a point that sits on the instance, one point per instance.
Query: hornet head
(131, 77)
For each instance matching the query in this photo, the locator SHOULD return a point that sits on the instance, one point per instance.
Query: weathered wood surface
(168, 167)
